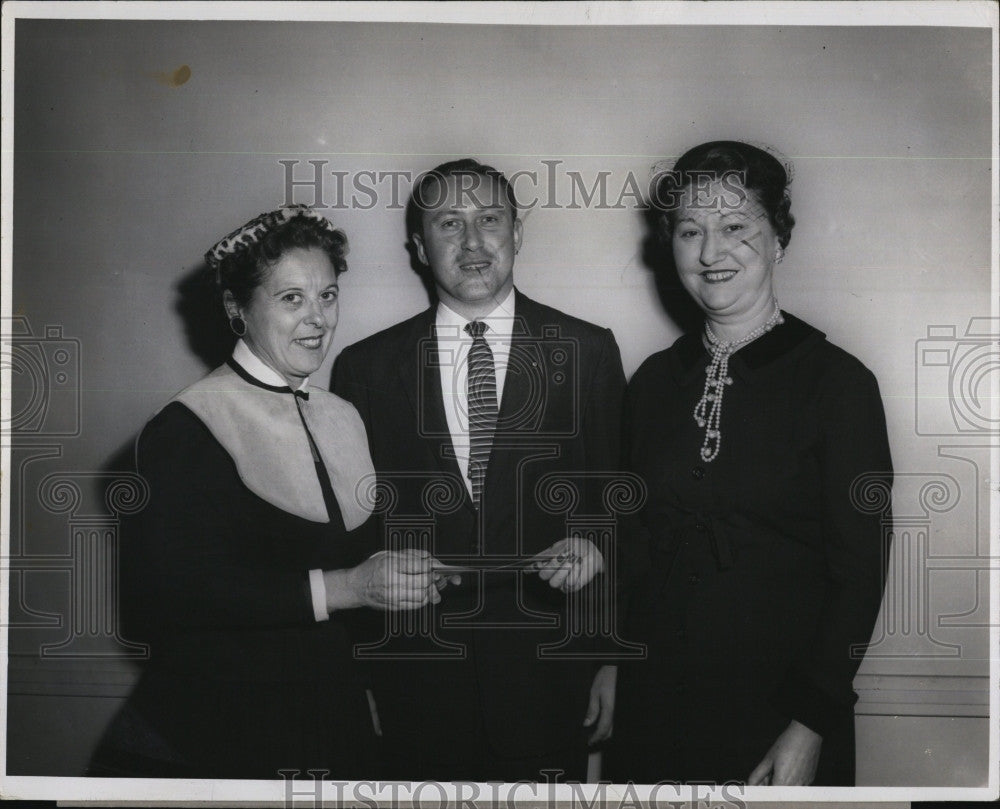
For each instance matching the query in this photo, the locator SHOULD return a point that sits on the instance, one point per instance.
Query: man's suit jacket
(556, 447)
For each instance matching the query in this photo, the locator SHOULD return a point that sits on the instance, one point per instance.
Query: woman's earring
(779, 256)
(238, 325)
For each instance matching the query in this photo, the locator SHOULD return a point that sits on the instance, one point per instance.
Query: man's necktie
(482, 394)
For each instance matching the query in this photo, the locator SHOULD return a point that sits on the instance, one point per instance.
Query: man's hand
(792, 759)
(570, 564)
(601, 709)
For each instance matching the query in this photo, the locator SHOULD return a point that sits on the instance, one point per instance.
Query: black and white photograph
(579, 404)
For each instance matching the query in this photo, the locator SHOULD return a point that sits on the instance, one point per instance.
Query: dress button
(697, 472)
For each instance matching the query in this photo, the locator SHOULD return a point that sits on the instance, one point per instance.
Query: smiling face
(292, 313)
(724, 247)
(469, 241)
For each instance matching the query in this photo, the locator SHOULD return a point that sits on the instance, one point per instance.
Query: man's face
(469, 241)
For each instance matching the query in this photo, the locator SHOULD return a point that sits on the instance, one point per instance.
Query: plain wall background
(122, 181)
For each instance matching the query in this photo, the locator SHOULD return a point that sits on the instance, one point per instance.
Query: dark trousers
(442, 736)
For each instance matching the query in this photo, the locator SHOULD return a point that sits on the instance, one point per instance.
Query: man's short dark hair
(420, 200)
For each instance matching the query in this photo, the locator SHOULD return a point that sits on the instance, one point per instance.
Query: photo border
(975, 13)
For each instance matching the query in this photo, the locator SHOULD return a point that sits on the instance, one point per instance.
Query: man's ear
(418, 244)
(518, 234)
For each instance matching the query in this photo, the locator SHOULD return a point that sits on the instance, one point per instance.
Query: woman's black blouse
(241, 680)
(764, 568)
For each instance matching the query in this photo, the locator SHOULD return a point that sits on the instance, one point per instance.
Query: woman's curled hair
(241, 260)
(758, 172)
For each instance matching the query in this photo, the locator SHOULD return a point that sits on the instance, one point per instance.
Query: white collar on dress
(258, 369)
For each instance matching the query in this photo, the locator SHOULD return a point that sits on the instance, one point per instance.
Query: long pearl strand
(708, 411)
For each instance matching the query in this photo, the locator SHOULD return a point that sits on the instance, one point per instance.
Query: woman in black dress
(755, 439)
(256, 539)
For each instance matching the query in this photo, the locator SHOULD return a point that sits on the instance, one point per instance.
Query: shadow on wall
(208, 335)
(210, 339)
(205, 326)
(659, 259)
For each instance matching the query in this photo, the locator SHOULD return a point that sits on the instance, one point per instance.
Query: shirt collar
(500, 320)
(258, 369)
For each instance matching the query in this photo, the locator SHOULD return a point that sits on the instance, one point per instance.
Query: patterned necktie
(482, 393)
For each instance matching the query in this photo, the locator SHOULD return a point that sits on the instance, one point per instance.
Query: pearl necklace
(708, 411)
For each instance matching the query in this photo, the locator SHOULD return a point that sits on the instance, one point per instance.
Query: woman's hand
(388, 580)
(570, 564)
(602, 704)
(792, 759)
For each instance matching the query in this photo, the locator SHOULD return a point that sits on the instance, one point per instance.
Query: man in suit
(492, 419)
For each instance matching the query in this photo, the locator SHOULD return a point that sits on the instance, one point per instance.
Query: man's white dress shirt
(454, 343)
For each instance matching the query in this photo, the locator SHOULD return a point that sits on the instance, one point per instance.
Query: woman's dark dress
(760, 573)
(242, 680)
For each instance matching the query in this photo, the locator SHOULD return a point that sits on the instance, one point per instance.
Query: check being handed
(567, 565)
(495, 563)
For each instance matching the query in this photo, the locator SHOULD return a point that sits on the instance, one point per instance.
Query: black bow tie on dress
(246, 376)
(298, 394)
